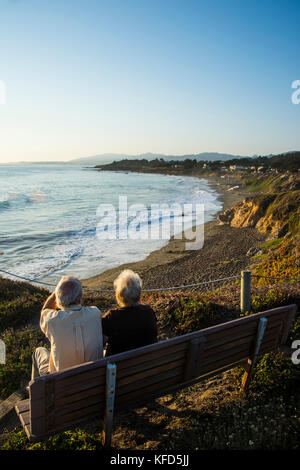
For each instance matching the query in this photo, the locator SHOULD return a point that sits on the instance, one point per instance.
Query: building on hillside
(261, 169)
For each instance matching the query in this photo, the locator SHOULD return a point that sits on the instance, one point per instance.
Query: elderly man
(74, 331)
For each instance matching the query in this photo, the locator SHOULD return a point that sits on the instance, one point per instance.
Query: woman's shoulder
(145, 308)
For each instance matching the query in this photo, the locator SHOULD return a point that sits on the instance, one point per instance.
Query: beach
(223, 254)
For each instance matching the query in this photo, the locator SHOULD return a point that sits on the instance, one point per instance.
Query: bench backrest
(66, 398)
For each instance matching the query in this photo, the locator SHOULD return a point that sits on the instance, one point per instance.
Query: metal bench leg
(252, 360)
(111, 372)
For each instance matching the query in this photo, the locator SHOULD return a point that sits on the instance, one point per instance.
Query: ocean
(49, 218)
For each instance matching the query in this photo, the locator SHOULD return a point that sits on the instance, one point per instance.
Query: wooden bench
(64, 399)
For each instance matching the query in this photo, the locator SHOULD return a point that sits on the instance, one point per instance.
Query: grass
(20, 303)
(271, 244)
(68, 440)
(19, 347)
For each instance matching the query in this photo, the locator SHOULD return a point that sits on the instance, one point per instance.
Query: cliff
(276, 210)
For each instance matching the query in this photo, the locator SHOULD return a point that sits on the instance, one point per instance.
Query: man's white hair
(68, 291)
(128, 286)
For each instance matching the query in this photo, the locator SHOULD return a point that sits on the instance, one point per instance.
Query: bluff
(274, 209)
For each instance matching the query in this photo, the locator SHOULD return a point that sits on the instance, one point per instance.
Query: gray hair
(128, 286)
(68, 291)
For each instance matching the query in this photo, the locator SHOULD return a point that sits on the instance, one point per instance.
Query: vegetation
(279, 200)
(20, 303)
(193, 312)
(68, 440)
(20, 345)
(280, 263)
(279, 163)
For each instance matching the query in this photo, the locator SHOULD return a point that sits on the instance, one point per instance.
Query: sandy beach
(223, 253)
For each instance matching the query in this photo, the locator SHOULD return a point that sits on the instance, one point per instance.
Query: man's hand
(50, 302)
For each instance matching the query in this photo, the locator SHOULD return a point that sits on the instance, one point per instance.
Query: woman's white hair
(128, 286)
(68, 291)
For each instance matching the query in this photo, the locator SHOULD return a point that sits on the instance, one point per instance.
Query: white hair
(68, 291)
(128, 286)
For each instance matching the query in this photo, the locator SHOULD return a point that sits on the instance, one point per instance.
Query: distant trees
(282, 162)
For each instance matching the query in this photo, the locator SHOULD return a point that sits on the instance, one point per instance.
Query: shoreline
(165, 267)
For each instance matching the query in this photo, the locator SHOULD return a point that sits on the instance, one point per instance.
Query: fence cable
(159, 289)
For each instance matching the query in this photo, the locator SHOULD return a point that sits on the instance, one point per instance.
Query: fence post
(245, 291)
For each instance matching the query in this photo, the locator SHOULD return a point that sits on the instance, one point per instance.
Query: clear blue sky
(86, 77)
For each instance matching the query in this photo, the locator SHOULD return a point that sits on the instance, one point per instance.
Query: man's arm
(50, 302)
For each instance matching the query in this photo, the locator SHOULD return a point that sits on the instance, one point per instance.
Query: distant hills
(111, 157)
(107, 158)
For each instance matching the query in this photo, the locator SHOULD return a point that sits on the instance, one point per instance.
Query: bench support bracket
(252, 360)
(111, 372)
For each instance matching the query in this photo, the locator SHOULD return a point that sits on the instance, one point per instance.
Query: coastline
(172, 265)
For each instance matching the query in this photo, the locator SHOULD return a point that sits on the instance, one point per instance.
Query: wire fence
(159, 289)
(239, 287)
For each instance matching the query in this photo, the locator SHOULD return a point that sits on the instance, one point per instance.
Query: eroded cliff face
(253, 213)
(244, 214)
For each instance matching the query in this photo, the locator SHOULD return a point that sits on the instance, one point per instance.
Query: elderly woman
(74, 331)
(132, 325)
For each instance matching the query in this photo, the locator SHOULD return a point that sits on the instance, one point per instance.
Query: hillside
(275, 210)
(107, 158)
(201, 164)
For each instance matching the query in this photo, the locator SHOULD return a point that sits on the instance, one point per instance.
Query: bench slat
(74, 417)
(221, 362)
(22, 406)
(121, 382)
(157, 379)
(131, 398)
(156, 357)
(90, 401)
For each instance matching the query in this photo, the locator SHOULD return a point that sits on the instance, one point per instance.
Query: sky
(86, 77)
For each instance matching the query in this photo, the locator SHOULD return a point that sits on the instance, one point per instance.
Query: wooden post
(245, 291)
(252, 360)
(111, 372)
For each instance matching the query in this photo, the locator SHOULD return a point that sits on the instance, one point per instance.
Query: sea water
(48, 217)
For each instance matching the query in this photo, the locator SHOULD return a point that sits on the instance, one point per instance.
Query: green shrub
(19, 348)
(273, 372)
(272, 298)
(295, 330)
(194, 313)
(20, 303)
(68, 440)
(20, 311)
(16, 441)
(10, 290)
